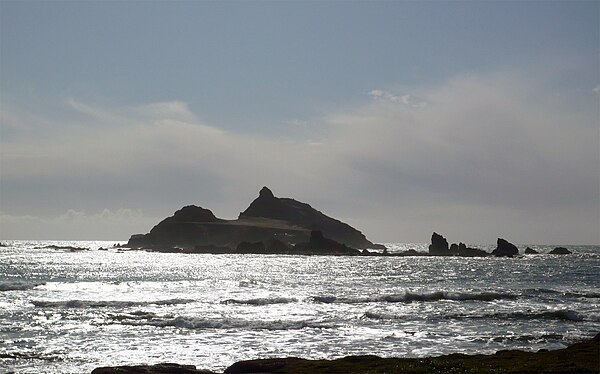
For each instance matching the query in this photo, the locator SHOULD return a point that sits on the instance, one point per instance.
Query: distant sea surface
(69, 311)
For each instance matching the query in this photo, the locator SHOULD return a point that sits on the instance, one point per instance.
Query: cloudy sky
(473, 119)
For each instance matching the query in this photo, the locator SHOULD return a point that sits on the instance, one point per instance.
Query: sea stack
(531, 251)
(439, 246)
(505, 249)
(560, 251)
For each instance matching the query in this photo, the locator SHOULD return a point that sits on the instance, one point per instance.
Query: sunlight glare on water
(68, 310)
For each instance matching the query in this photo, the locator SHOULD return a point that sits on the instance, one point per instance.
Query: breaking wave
(559, 314)
(381, 316)
(18, 285)
(261, 301)
(199, 323)
(585, 295)
(104, 303)
(409, 297)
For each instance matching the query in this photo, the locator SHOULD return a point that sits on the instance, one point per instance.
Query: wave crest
(558, 314)
(18, 285)
(410, 296)
(199, 323)
(261, 301)
(104, 303)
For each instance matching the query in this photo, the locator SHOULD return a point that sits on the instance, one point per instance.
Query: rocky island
(269, 225)
(273, 225)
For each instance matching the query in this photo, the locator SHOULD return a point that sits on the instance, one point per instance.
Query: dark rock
(454, 248)
(210, 249)
(303, 215)
(531, 251)
(505, 249)
(247, 247)
(463, 251)
(166, 368)
(163, 249)
(320, 245)
(63, 248)
(267, 217)
(277, 246)
(439, 246)
(560, 251)
(412, 252)
(192, 213)
(269, 365)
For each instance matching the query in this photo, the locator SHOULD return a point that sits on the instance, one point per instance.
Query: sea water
(66, 310)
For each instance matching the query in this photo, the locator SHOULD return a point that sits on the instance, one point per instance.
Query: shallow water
(65, 310)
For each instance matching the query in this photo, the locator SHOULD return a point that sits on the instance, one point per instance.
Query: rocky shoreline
(583, 357)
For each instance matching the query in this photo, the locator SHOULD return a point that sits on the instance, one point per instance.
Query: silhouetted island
(272, 225)
(269, 225)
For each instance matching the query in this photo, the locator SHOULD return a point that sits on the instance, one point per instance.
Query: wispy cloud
(406, 99)
(175, 110)
(486, 154)
(107, 224)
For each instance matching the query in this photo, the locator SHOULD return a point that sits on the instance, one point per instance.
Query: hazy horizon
(476, 120)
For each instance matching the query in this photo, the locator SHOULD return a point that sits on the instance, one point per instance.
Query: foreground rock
(151, 369)
(267, 218)
(578, 358)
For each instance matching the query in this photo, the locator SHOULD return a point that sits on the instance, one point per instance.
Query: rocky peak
(505, 248)
(192, 213)
(266, 193)
(439, 245)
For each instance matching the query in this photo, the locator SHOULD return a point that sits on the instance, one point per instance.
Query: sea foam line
(200, 323)
(18, 285)
(104, 303)
(558, 314)
(410, 296)
(261, 301)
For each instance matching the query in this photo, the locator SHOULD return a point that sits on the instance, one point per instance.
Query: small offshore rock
(505, 249)
(439, 245)
(464, 251)
(531, 251)
(560, 251)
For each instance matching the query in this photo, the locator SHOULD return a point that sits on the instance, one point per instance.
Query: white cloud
(488, 153)
(174, 110)
(406, 99)
(73, 224)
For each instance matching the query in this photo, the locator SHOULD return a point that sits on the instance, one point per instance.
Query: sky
(474, 119)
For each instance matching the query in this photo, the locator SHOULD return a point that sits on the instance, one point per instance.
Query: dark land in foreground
(581, 357)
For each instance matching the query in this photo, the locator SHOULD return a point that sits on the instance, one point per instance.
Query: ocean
(64, 310)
